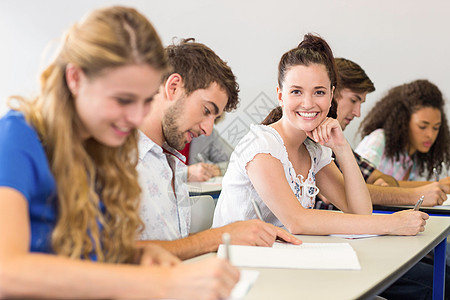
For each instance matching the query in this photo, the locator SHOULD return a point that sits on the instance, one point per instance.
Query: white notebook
(321, 256)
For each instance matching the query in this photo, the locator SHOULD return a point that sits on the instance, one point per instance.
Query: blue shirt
(24, 167)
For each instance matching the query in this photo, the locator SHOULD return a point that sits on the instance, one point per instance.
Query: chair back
(202, 212)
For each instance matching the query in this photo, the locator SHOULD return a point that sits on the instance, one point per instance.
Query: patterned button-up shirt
(166, 215)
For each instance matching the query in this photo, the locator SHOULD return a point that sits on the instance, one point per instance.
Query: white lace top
(234, 203)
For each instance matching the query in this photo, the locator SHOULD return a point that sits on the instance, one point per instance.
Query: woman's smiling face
(306, 96)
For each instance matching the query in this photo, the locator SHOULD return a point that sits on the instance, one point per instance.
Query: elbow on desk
(304, 223)
(5, 293)
(294, 227)
(8, 282)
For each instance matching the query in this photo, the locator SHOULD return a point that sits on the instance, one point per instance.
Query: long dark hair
(393, 114)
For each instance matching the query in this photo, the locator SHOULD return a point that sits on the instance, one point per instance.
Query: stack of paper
(324, 256)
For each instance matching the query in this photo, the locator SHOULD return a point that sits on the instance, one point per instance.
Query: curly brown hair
(200, 66)
(393, 113)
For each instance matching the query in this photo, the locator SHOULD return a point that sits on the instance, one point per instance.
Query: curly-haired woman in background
(406, 133)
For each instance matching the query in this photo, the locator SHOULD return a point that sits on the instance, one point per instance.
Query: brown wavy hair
(393, 113)
(352, 76)
(200, 66)
(88, 172)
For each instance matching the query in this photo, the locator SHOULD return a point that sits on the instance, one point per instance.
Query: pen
(226, 241)
(419, 203)
(257, 210)
(436, 176)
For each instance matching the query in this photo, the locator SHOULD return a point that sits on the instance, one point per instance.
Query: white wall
(394, 41)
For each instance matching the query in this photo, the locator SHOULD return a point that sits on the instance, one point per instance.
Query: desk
(383, 260)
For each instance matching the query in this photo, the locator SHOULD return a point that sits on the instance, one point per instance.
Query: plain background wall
(394, 41)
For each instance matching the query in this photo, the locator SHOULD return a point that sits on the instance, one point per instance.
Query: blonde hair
(88, 172)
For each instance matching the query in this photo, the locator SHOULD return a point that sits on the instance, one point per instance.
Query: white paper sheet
(354, 236)
(324, 256)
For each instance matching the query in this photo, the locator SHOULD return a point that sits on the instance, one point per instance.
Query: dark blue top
(24, 167)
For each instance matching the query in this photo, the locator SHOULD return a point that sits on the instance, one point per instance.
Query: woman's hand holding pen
(408, 222)
(211, 278)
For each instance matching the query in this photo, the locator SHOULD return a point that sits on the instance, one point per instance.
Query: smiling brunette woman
(283, 166)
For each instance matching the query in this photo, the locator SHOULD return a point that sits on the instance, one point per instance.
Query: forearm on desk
(51, 276)
(191, 246)
(321, 222)
(392, 195)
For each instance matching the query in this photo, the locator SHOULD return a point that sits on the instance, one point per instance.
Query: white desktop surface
(383, 260)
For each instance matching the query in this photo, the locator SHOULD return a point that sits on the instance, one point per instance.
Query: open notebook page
(324, 256)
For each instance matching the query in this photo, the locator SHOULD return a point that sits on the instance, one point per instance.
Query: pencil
(436, 176)
(257, 210)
